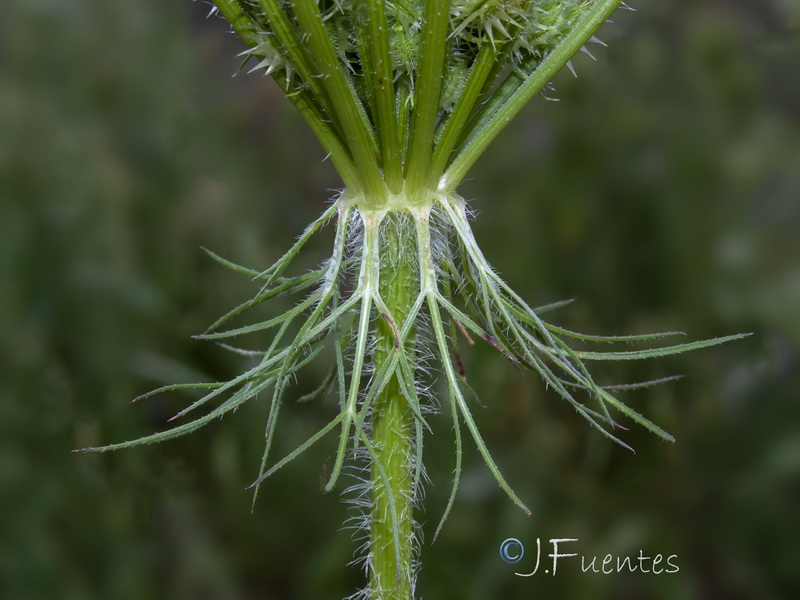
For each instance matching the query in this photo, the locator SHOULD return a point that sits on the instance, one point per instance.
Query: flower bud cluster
(521, 32)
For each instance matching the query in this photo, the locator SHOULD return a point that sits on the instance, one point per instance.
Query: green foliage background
(661, 191)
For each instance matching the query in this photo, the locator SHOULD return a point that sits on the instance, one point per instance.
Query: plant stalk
(391, 544)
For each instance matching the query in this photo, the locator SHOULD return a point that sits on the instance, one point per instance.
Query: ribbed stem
(432, 54)
(391, 544)
(599, 13)
(346, 103)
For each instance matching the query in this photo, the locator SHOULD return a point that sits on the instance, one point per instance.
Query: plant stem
(358, 134)
(391, 544)
(378, 55)
(557, 58)
(432, 51)
(458, 118)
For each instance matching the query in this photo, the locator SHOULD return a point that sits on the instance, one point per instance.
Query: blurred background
(661, 191)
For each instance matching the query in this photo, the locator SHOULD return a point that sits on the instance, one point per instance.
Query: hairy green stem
(391, 544)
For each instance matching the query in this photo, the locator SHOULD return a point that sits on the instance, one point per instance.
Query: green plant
(405, 96)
